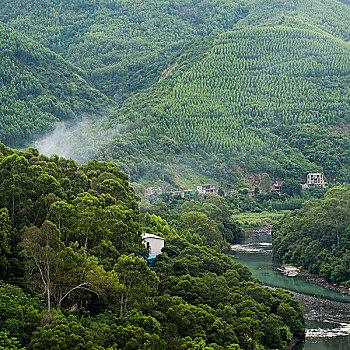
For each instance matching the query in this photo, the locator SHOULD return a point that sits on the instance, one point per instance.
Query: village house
(277, 187)
(153, 190)
(187, 193)
(314, 179)
(207, 189)
(183, 194)
(177, 193)
(250, 191)
(153, 243)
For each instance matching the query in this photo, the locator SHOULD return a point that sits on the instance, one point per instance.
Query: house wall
(155, 244)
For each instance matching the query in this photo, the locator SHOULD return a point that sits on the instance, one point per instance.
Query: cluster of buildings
(311, 180)
(200, 189)
(154, 243)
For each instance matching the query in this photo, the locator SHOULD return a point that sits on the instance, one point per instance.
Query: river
(327, 312)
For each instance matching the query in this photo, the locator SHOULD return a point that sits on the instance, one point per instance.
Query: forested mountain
(230, 101)
(207, 90)
(38, 88)
(124, 44)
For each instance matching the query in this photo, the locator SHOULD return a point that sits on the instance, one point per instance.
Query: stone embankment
(258, 230)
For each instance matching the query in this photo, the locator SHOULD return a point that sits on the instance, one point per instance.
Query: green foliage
(291, 187)
(322, 145)
(205, 221)
(123, 45)
(92, 204)
(62, 334)
(59, 272)
(217, 101)
(317, 237)
(19, 316)
(137, 281)
(220, 82)
(265, 182)
(7, 343)
(193, 297)
(5, 234)
(224, 109)
(38, 88)
(225, 303)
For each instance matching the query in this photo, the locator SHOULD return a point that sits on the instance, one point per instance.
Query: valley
(188, 125)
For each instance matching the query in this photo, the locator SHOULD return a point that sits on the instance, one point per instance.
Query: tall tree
(137, 280)
(57, 271)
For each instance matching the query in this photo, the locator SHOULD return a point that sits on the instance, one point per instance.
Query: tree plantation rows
(124, 45)
(203, 87)
(229, 92)
(233, 101)
(71, 238)
(38, 88)
(246, 82)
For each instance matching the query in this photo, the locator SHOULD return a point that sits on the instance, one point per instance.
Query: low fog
(79, 141)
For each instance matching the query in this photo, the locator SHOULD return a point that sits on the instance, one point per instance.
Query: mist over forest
(142, 142)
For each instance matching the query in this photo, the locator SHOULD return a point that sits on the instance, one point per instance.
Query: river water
(327, 312)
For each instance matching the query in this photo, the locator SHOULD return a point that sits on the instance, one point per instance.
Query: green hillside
(38, 88)
(316, 237)
(225, 101)
(207, 90)
(71, 236)
(125, 44)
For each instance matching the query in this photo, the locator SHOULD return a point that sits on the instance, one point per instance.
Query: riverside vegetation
(71, 236)
(316, 237)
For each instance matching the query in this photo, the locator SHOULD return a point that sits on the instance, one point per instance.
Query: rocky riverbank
(316, 279)
(292, 271)
(295, 343)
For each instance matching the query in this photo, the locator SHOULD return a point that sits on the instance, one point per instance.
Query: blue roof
(151, 256)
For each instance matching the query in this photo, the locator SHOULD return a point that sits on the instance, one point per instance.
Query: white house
(153, 243)
(314, 179)
(207, 189)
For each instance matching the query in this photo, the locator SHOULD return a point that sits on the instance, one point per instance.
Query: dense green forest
(316, 237)
(38, 88)
(207, 90)
(176, 93)
(71, 238)
(124, 45)
(225, 104)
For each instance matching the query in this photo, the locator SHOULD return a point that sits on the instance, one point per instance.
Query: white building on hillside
(207, 189)
(153, 243)
(314, 179)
